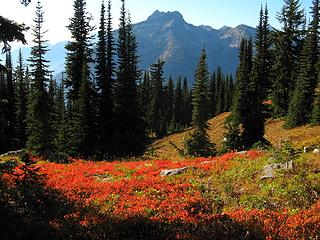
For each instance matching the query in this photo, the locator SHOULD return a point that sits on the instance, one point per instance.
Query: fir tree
(131, 137)
(21, 102)
(229, 85)
(145, 95)
(288, 43)
(169, 102)
(104, 80)
(3, 116)
(81, 94)
(86, 115)
(110, 47)
(178, 106)
(39, 129)
(234, 123)
(315, 120)
(213, 94)
(225, 96)
(199, 144)
(220, 91)
(254, 118)
(187, 106)
(157, 99)
(78, 50)
(11, 116)
(11, 31)
(60, 124)
(300, 107)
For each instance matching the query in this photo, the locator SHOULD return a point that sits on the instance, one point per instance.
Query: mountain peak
(157, 15)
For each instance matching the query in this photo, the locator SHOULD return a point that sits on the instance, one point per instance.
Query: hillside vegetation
(275, 133)
(215, 198)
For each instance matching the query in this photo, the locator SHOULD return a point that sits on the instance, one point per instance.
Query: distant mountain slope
(168, 36)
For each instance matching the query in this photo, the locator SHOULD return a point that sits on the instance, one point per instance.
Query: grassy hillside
(275, 133)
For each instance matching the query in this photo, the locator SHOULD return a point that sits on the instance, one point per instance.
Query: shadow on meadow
(31, 210)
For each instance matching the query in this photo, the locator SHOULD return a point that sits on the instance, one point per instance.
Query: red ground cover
(127, 189)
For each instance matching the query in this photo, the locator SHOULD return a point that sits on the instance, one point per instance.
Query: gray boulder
(242, 153)
(172, 172)
(268, 170)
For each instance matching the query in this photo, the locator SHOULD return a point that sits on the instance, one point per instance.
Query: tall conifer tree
(315, 120)
(157, 98)
(213, 94)
(145, 95)
(39, 128)
(199, 143)
(104, 80)
(169, 101)
(81, 94)
(254, 117)
(11, 116)
(21, 102)
(60, 124)
(178, 105)
(220, 91)
(288, 44)
(300, 108)
(187, 106)
(235, 122)
(131, 137)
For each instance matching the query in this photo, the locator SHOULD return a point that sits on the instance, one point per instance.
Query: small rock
(306, 149)
(171, 172)
(316, 151)
(241, 153)
(206, 162)
(268, 170)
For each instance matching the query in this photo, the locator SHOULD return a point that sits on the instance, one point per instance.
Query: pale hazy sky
(215, 13)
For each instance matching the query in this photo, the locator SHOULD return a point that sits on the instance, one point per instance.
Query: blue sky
(215, 13)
